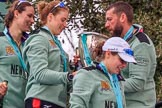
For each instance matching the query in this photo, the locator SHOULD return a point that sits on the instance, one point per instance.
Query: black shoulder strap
(89, 68)
(142, 37)
(34, 32)
(1, 34)
(96, 66)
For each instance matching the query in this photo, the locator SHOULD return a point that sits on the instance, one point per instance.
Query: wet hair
(122, 7)
(44, 8)
(17, 5)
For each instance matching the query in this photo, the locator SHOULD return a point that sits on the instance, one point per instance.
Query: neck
(16, 34)
(125, 30)
(106, 64)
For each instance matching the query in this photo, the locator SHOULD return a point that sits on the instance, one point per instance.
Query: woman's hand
(3, 89)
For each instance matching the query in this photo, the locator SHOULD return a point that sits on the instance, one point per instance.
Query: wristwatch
(70, 76)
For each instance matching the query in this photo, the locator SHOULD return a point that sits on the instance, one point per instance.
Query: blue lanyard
(115, 85)
(86, 53)
(129, 33)
(63, 55)
(16, 49)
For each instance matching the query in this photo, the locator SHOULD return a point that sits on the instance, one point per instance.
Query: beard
(117, 30)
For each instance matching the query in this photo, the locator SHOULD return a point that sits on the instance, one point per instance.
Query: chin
(26, 30)
(58, 33)
(111, 32)
(117, 72)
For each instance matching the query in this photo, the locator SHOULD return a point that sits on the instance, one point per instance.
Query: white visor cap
(117, 44)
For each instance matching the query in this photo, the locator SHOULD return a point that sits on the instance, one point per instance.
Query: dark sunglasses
(61, 5)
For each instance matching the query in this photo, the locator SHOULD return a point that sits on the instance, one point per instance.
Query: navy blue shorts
(37, 103)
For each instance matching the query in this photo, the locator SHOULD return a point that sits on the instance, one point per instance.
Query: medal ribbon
(115, 85)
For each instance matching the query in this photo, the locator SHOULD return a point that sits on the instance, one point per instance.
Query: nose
(32, 20)
(124, 64)
(107, 25)
(65, 24)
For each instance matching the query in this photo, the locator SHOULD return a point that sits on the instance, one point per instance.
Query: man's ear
(123, 17)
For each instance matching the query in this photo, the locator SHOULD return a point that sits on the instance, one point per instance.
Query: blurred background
(89, 15)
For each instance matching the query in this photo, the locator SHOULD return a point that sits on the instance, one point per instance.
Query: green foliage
(89, 13)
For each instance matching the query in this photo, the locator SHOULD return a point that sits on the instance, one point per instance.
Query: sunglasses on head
(61, 5)
(20, 2)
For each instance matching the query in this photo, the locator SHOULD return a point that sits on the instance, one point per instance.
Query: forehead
(110, 12)
(64, 14)
(29, 9)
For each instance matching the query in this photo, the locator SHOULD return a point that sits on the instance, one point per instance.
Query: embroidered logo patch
(105, 85)
(9, 50)
(143, 61)
(52, 43)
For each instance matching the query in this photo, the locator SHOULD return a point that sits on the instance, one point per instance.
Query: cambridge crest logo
(105, 85)
(52, 43)
(9, 50)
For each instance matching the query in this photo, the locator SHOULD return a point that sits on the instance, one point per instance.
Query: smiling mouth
(110, 31)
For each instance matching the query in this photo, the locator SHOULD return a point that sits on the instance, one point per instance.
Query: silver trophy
(90, 47)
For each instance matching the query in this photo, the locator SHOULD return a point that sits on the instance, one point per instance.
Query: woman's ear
(49, 17)
(107, 54)
(16, 13)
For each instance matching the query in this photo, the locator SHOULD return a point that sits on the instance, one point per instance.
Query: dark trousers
(37, 103)
(158, 104)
